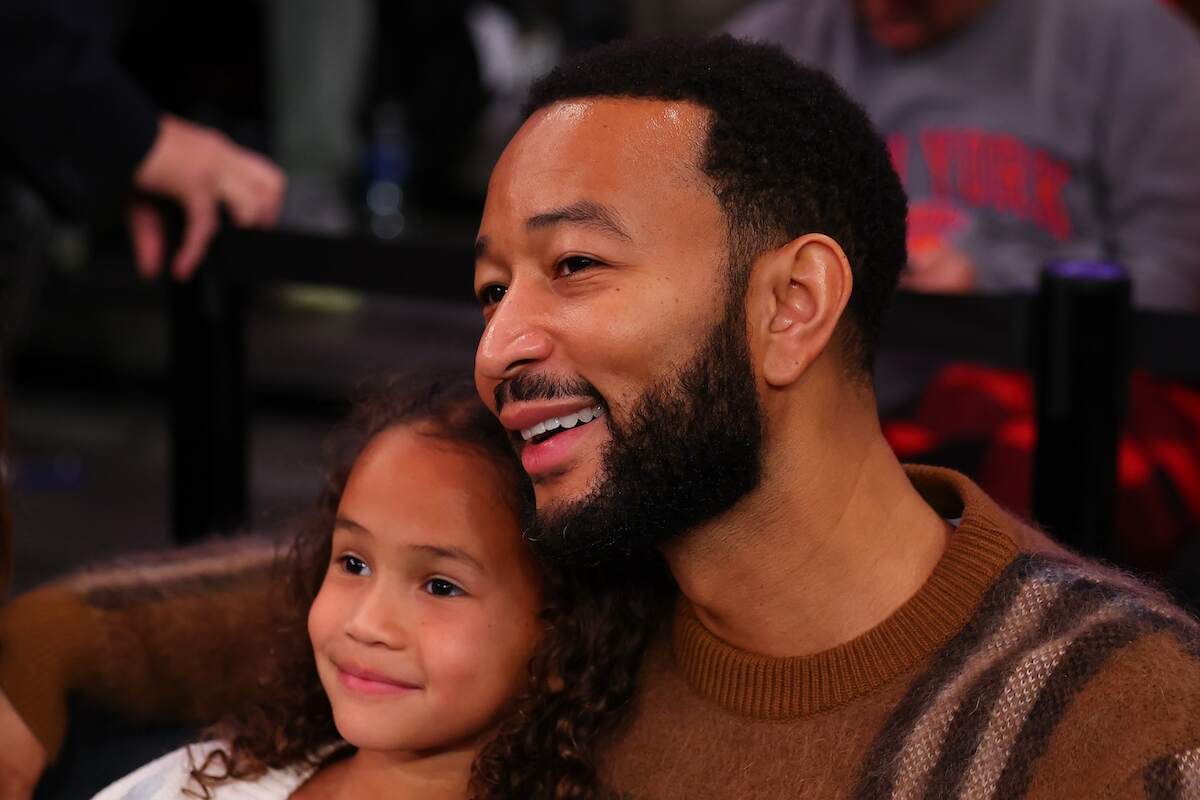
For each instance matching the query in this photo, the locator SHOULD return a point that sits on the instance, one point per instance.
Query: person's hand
(201, 169)
(22, 757)
(940, 270)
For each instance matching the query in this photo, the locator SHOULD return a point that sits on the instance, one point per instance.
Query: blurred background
(386, 118)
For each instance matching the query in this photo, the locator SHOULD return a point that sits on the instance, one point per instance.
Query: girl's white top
(167, 777)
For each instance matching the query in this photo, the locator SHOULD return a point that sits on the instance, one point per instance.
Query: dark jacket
(72, 122)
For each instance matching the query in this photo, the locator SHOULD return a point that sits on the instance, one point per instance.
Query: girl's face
(427, 617)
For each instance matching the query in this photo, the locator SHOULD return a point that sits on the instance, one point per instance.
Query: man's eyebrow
(480, 247)
(449, 551)
(585, 212)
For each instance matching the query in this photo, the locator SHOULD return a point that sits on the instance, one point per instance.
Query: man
(1024, 130)
(683, 261)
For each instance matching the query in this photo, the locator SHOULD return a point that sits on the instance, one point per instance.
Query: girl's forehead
(408, 484)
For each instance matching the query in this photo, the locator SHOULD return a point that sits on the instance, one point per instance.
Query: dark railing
(1077, 336)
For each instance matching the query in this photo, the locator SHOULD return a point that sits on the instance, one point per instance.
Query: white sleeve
(162, 779)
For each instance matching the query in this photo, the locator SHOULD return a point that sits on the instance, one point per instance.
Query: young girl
(425, 654)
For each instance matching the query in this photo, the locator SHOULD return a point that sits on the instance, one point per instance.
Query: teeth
(583, 416)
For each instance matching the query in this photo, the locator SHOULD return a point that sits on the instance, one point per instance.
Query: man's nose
(377, 620)
(514, 337)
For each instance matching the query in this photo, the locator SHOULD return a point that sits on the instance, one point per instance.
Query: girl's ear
(802, 290)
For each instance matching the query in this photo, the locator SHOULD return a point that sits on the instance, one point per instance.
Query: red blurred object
(1158, 463)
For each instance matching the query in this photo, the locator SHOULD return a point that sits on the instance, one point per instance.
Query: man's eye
(440, 587)
(354, 565)
(491, 294)
(572, 264)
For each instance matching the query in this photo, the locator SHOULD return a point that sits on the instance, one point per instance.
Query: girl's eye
(354, 565)
(572, 264)
(440, 587)
(492, 294)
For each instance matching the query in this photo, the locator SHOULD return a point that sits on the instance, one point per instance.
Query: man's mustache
(543, 387)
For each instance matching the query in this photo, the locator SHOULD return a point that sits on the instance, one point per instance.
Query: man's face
(906, 25)
(603, 268)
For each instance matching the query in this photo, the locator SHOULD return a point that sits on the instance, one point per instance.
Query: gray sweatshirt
(1045, 129)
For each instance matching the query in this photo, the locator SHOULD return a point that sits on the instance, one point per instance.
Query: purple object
(1100, 271)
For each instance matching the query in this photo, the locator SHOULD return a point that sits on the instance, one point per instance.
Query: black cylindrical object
(1081, 376)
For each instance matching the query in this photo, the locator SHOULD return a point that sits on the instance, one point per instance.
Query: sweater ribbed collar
(780, 688)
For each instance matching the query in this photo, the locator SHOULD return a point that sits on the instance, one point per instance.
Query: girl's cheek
(325, 616)
(463, 646)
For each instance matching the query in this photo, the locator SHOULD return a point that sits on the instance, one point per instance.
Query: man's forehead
(639, 160)
(662, 118)
(607, 139)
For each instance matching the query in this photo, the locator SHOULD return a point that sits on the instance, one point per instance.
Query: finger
(146, 235)
(270, 185)
(201, 225)
(24, 757)
(252, 190)
(275, 191)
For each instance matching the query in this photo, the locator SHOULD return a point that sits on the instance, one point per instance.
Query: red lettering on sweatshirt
(1050, 178)
(1010, 176)
(991, 171)
(973, 167)
(936, 147)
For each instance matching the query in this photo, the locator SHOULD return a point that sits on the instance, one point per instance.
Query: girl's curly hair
(582, 674)
(583, 678)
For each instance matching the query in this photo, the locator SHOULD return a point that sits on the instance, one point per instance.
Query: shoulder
(1122, 702)
(1068, 674)
(785, 21)
(167, 777)
(1099, 14)
(163, 778)
(1069, 603)
(1086, 674)
(1134, 35)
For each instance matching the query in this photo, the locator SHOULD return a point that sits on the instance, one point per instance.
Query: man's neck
(833, 541)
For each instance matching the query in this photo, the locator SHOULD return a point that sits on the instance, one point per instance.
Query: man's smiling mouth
(553, 426)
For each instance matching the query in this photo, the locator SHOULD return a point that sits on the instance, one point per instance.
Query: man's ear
(802, 289)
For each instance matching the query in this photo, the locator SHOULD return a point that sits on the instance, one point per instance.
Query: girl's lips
(368, 682)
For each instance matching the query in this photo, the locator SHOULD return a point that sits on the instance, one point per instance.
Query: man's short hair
(788, 153)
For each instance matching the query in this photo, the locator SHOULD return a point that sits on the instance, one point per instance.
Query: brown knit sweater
(1016, 671)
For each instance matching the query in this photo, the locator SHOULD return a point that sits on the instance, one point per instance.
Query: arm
(1148, 132)
(1172, 777)
(167, 639)
(779, 21)
(71, 121)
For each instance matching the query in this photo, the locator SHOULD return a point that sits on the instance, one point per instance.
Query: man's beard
(688, 450)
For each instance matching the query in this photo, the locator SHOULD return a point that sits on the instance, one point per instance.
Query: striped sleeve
(1174, 777)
